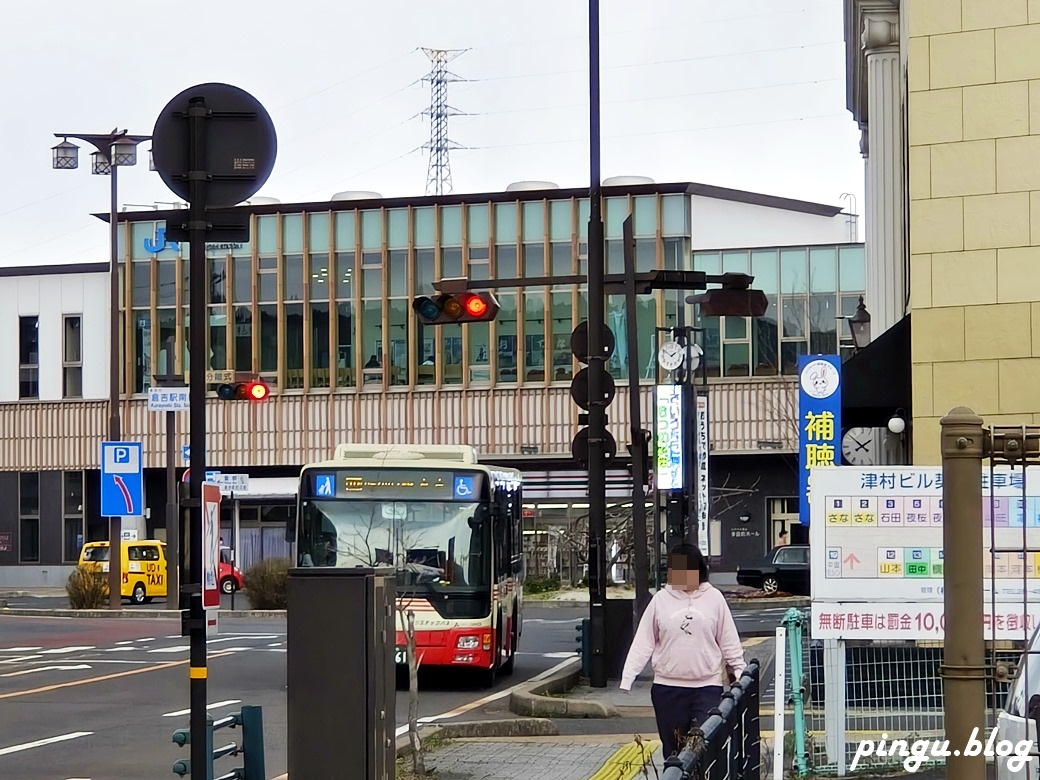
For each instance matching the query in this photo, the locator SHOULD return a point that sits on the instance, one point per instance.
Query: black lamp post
(859, 324)
(114, 150)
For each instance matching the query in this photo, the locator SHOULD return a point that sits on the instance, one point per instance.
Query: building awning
(876, 380)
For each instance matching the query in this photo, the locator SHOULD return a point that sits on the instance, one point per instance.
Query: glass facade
(810, 289)
(322, 300)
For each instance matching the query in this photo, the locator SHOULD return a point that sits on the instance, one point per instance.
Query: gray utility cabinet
(341, 674)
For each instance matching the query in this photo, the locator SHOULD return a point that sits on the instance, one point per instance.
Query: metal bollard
(253, 743)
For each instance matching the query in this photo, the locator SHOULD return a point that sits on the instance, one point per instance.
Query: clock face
(671, 355)
(857, 445)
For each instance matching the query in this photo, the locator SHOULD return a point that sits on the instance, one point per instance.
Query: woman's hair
(692, 559)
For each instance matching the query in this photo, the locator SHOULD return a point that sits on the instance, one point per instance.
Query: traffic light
(459, 307)
(581, 396)
(254, 390)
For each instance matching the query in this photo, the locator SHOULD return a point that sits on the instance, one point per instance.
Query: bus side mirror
(480, 517)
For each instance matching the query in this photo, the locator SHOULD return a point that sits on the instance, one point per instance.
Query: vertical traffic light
(581, 396)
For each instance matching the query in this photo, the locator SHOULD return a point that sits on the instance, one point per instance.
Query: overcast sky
(747, 94)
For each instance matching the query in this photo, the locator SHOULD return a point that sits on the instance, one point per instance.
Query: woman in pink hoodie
(687, 632)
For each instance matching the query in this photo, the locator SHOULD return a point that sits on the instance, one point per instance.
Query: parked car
(1018, 720)
(783, 569)
(230, 576)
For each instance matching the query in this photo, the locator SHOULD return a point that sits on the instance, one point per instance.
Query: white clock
(671, 355)
(857, 446)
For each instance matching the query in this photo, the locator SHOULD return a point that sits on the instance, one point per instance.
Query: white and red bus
(451, 527)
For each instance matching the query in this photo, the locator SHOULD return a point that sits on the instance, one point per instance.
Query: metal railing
(251, 720)
(727, 745)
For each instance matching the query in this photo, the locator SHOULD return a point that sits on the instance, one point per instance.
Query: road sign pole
(198, 288)
(173, 519)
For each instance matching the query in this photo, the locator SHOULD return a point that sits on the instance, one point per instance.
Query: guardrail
(251, 720)
(727, 745)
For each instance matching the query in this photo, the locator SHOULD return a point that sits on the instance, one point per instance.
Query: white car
(1018, 720)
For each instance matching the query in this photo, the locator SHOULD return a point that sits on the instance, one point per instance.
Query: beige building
(955, 86)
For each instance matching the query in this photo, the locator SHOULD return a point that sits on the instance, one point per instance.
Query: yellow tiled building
(967, 77)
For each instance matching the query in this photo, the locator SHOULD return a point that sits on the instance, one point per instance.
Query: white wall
(50, 297)
(727, 224)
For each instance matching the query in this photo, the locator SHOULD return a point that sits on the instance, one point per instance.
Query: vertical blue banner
(819, 420)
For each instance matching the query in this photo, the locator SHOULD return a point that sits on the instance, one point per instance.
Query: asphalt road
(99, 699)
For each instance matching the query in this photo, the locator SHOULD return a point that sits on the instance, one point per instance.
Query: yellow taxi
(143, 567)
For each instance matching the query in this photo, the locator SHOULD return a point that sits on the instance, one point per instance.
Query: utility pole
(597, 467)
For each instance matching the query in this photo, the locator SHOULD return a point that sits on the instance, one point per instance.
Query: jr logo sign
(160, 243)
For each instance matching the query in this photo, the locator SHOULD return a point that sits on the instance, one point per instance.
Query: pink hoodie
(687, 635)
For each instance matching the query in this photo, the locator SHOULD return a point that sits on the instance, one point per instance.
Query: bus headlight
(467, 643)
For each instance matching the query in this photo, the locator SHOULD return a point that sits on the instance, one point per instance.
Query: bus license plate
(401, 656)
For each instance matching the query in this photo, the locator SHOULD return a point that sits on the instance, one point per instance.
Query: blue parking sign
(122, 479)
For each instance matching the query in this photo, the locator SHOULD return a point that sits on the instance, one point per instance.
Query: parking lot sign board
(122, 479)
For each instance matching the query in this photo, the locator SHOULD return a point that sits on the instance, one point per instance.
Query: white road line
(19, 649)
(181, 713)
(126, 642)
(20, 658)
(275, 644)
(64, 650)
(43, 742)
(46, 669)
(177, 649)
(233, 639)
(545, 620)
(121, 649)
(148, 639)
(489, 698)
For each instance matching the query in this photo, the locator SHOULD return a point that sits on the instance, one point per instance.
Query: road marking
(101, 678)
(120, 649)
(20, 658)
(275, 644)
(20, 649)
(177, 649)
(546, 620)
(46, 669)
(126, 642)
(181, 713)
(461, 710)
(42, 742)
(147, 639)
(65, 650)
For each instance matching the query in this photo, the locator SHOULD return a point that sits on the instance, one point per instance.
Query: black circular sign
(580, 389)
(240, 144)
(580, 447)
(580, 342)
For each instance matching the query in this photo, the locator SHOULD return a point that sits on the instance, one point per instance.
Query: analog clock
(857, 446)
(671, 355)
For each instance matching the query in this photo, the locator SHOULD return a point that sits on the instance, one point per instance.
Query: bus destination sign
(395, 484)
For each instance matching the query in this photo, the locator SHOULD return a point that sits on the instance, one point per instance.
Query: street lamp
(114, 149)
(859, 324)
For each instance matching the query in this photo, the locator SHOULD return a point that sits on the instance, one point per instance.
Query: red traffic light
(459, 308)
(475, 306)
(257, 391)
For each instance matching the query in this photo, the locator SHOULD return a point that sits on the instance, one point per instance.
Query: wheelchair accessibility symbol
(465, 487)
(323, 485)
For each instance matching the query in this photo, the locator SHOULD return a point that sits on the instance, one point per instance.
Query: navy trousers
(679, 709)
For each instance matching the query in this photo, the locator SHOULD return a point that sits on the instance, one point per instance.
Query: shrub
(542, 584)
(87, 589)
(266, 582)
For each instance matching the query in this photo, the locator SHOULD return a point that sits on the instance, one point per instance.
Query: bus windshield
(430, 543)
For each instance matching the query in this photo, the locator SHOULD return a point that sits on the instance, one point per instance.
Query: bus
(450, 526)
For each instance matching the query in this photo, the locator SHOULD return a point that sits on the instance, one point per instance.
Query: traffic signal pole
(597, 409)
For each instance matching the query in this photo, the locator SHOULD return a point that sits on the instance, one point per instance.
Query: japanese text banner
(874, 620)
(819, 420)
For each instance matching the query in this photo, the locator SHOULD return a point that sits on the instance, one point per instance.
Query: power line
(653, 63)
(677, 131)
(657, 98)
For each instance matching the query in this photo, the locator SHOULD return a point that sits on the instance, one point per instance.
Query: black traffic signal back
(255, 391)
(448, 308)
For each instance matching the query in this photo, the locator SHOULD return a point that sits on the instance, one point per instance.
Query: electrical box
(341, 676)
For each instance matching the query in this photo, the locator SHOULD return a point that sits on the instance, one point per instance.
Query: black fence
(727, 745)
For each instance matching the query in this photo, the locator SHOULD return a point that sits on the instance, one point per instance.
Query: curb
(531, 700)
(735, 604)
(512, 727)
(152, 614)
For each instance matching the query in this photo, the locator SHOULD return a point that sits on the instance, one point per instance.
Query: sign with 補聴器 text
(887, 620)
(877, 534)
(819, 421)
